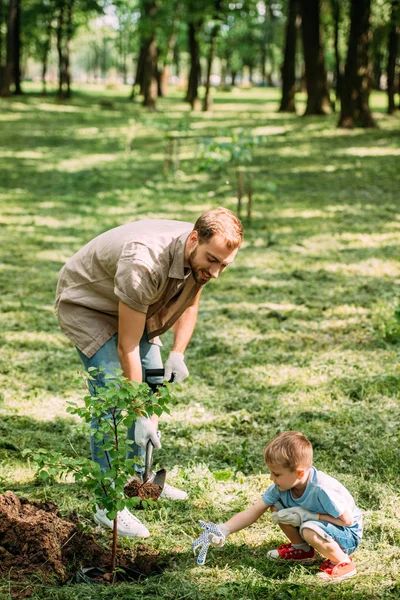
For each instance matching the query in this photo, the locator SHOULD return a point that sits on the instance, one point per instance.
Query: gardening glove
(213, 535)
(175, 365)
(295, 516)
(145, 430)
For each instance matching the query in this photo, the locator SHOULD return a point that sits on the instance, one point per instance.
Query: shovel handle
(157, 373)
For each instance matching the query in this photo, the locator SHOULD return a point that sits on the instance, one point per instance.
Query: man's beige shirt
(142, 264)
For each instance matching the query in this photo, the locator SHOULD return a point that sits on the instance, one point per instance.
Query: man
(126, 287)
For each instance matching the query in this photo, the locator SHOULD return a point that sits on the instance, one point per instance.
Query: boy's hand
(213, 535)
(295, 516)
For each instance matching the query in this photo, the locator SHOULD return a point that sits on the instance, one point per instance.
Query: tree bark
(318, 101)
(150, 56)
(210, 58)
(1, 39)
(139, 71)
(289, 61)
(392, 54)
(61, 59)
(68, 48)
(355, 109)
(45, 56)
(195, 68)
(17, 50)
(335, 4)
(9, 69)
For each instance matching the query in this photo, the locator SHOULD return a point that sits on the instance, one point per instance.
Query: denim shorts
(346, 537)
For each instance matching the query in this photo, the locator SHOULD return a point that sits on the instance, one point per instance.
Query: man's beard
(196, 271)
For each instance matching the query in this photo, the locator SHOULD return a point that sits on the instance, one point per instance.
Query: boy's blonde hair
(289, 449)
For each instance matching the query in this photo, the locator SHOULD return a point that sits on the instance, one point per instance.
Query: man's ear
(193, 237)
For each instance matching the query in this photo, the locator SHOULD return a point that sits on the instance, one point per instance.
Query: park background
(116, 111)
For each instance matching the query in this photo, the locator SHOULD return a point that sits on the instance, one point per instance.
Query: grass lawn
(300, 333)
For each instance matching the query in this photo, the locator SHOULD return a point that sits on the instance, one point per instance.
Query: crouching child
(313, 510)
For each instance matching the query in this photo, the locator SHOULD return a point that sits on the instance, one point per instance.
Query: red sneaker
(330, 571)
(289, 552)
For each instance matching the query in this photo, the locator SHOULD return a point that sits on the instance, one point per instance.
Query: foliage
(116, 406)
(386, 321)
(237, 149)
(286, 338)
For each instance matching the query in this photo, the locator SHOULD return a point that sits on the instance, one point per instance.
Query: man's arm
(131, 325)
(184, 326)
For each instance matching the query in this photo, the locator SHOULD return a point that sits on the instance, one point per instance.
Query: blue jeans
(107, 357)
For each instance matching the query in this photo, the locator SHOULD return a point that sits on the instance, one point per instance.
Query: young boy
(314, 511)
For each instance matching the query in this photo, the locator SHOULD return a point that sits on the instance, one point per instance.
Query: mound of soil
(145, 491)
(36, 541)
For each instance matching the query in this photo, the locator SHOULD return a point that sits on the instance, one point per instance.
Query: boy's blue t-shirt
(323, 494)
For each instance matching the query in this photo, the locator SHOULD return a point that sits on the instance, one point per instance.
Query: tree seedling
(116, 406)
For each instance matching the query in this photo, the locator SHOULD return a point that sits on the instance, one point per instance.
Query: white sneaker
(128, 525)
(172, 493)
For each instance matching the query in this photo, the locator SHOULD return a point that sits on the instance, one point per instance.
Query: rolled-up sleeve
(135, 281)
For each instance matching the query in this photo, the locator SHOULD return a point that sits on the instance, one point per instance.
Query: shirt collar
(177, 269)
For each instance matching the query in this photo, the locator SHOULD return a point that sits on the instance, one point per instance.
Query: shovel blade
(159, 477)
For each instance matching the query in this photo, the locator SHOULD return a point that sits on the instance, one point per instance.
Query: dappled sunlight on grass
(376, 151)
(299, 333)
(369, 268)
(57, 108)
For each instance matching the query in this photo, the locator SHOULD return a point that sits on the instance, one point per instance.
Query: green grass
(300, 333)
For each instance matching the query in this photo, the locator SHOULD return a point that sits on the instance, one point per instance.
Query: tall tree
(392, 54)
(289, 61)
(148, 32)
(355, 109)
(2, 58)
(318, 101)
(215, 27)
(195, 20)
(11, 70)
(336, 14)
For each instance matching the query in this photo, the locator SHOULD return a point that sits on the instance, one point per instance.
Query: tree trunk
(139, 71)
(392, 55)
(149, 76)
(17, 50)
(45, 56)
(377, 70)
(338, 71)
(68, 49)
(61, 59)
(149, 58)
(195, 68)
(289, 61)
(264, 43)
(318, 101)
(211, 54)
(1, 40)
(9, 68)
(356, 81)
(233, 77)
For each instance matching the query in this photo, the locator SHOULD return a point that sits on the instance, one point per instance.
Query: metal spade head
(156, 478)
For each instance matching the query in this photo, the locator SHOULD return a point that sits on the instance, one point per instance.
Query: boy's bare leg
(292, 533)
(330, 550)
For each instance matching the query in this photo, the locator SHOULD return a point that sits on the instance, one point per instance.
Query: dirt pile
(145, 491)
(35, 540)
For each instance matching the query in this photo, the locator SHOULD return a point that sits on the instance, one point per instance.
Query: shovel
(153, 483)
